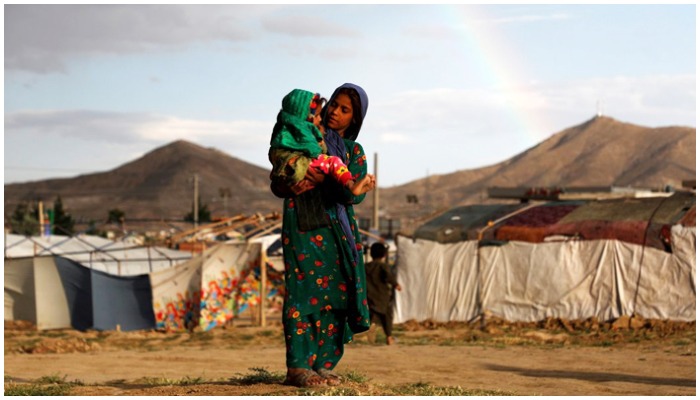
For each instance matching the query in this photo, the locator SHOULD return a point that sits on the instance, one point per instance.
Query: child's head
(304, 104)
(315, 108)
(377, 250)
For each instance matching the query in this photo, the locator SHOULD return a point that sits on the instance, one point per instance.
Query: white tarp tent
(80, 281)
(201, 292)
(521, 281)
(33, 292)
(117, 258)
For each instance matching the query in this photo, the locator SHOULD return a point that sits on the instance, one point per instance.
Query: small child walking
(297, 145)
(380, 287)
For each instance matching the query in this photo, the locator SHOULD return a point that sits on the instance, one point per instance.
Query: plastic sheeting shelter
(211, 289)
(46, 282)
(33, 292)
(55, 292)
(113, 257)
(570, 278)
(45, 287)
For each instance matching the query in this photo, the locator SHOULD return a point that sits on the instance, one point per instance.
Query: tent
(529, 271)
(120, 258)
(33, 292)
(464, 222)
(214, 287)
(85, 282)
(93, 283)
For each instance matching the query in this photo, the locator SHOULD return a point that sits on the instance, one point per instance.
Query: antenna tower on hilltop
(599, 108)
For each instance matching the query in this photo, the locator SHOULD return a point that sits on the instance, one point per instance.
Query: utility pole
(41, 218)
(375, 213)
(195, 212)
(225, 194)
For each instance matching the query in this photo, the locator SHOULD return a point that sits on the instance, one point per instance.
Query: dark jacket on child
(380, 285)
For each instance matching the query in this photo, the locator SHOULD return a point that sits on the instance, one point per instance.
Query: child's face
(316, 107)
(317, 117)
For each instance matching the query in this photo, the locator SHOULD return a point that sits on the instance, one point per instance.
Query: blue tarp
(101, 301)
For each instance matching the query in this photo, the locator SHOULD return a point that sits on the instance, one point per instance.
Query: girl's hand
(302, 186)
(314, 175)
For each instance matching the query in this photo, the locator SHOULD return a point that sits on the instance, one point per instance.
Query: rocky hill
(599, 152)
(158, 185)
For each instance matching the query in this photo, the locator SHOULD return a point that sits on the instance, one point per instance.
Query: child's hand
(364, 185)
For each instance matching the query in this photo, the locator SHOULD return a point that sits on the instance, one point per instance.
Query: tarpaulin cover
(176, 295)
(121, 302)
(643, 221)
(522, 281)
(34, 292)
(114, 257)
(463, 223)
(689, 218)
(78, 290)
(104, 302)
(20, 302)
(201, 292)
(223, 270)
(533, 224)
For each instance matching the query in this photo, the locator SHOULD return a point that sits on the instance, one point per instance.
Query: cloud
(100, 126)
(113, 127)
(435, 32)
(527, 18)
(542, 109)
(39, 38)
(306, 25)
(395, 137)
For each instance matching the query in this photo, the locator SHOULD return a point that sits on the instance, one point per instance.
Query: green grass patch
(354, 376)
(50, 385)
(334, 391)
(162, 381)
(55, 378)
(258, 375)
(425, 389)
(33, 389)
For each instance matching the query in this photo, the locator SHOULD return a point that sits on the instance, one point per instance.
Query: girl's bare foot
(301, 377)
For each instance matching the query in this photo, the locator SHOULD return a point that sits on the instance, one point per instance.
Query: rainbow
(500, 64)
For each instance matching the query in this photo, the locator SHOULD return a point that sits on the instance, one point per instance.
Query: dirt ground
(549, 358)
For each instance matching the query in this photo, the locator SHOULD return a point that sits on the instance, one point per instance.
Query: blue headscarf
(336, 147)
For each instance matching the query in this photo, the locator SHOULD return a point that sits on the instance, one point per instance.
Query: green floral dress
(325, 287)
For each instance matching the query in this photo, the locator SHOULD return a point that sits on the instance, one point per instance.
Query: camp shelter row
(571, 260)
(87, 282)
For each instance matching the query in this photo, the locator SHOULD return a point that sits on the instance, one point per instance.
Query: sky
(451, 87)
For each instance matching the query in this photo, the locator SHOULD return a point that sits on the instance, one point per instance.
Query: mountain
(599, 152)
(158, 185)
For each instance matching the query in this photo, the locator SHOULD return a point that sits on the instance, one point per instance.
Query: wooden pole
(195, 212)
(263, 286)
(375, 213)
(41, 219)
